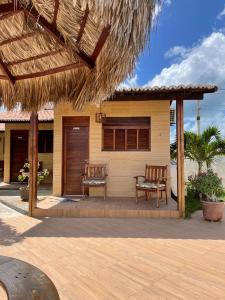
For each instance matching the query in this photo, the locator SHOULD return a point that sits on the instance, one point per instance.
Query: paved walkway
(6, 212)
(10, 196)
(104, 259)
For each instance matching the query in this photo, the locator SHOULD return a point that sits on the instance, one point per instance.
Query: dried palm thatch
(79, 50)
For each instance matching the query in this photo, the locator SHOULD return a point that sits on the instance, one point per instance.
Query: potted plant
(23, 177)
(211, 192)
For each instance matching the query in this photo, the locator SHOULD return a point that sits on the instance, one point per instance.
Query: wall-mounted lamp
(99, 117)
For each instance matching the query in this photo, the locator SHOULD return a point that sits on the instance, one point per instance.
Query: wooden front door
(18, 152)
(75, 153)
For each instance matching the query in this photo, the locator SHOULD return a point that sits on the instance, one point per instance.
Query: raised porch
(112, 207)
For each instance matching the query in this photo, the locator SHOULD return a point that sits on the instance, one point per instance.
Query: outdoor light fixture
(172, 116)
(99, 117)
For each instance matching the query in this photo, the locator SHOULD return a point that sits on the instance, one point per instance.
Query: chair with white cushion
(155, 180)
(94, 176)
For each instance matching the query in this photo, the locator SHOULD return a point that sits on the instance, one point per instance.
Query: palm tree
(203, 148)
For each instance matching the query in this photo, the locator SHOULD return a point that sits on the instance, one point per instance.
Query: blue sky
(183, 23)
(187, 46)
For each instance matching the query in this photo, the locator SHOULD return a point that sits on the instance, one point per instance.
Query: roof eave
(24, 121)
(172, 93)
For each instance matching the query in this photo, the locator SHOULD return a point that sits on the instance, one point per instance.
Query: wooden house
(14, 141)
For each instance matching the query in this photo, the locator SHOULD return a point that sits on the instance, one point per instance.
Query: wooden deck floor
(104, 259)
(112, 207)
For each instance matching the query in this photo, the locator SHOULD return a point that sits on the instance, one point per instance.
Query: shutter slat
(120, 139)
(108, 139)
(131, 139)
(143, 141)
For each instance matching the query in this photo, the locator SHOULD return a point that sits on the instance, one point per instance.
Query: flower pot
(213, 211)
(24, 193)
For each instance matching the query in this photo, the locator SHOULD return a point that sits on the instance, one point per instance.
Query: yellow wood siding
(122, 166)
(2, 134)
(46, 158)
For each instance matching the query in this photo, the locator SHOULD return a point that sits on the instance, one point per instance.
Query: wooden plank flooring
(104, 259)
(3, 294)
(112, 207)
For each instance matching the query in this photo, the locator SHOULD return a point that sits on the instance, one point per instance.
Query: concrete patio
(10, 196)
(122, 258)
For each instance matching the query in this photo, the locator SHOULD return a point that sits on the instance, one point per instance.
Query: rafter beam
(19, 38)
(101, 41)
(83, 24)
(5, 69)
(49, 71)
(50, 53)
(56, 9)
(32, 13)
(8, 7)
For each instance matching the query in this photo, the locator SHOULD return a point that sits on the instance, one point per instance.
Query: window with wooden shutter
(119, 139)
(45, 141)
(108, 139)
(143, 139)
(126, 134)
(132, 139)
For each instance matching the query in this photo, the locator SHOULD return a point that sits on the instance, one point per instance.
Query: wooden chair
(94, 176)
(155, 180)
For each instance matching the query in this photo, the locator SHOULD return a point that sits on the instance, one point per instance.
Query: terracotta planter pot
(213, 211)
(24, 193)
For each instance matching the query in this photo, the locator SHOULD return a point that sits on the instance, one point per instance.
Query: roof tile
(21, 116)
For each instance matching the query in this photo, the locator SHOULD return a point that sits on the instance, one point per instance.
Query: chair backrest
(155, 173)
(95, 171)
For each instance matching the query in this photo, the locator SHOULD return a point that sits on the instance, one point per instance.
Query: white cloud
(221, 14)
(203, 64)
(158, 9)
(130, 82)
(168, 2)
(176, 51)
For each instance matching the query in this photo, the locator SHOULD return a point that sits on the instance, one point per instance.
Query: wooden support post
(180, 155)
(33, 159)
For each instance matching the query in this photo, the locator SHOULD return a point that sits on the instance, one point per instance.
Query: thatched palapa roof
(79, 50)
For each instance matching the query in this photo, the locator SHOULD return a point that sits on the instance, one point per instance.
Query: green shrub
(192, 203)
(208, 184)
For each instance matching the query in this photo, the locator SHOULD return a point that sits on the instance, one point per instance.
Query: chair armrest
(137, 177)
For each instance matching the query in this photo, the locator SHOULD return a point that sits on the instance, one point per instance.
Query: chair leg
(158, 196)
(166, 197)
(136, 196)
(83, 190)
(105, 192)
(146, 196)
